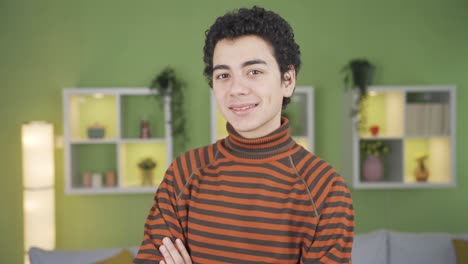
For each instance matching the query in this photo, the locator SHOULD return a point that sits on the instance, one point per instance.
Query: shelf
(384, 109)
(136, 109)
(94, 109)
(143, 140)
(438, 160)
(392, 185)
(91, 158)
(391, 162)
(133, 153)
(102, 163)
(417, 124)
(93, 141)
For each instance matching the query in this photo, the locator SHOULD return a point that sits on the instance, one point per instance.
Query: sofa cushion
(370, 248)
(421, 248)
(40, 256)
(124, 257)
(461, 250)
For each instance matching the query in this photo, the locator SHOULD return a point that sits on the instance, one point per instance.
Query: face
(248, 85)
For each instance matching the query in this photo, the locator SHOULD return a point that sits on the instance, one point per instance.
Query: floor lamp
(38, 185)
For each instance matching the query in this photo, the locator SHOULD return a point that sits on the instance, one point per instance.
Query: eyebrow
(245, 64)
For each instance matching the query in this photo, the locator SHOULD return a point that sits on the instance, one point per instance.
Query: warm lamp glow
(38, 185)
(39, 220)
(38, 155)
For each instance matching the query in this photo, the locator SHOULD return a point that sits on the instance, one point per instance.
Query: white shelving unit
(300, 112)
(119, 111)
(413, 121)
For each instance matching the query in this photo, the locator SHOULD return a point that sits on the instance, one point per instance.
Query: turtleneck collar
(277, 142)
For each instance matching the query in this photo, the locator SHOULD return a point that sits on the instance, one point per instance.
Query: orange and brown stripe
(265, 200)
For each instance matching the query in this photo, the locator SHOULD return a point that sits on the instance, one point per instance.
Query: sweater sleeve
(335, 229)
(162, 221)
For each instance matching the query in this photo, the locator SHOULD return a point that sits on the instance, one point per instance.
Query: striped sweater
(265, 200)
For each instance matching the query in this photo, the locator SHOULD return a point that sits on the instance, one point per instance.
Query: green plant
(374, 147)
(359, 74)
(147, 164)
(167, 83)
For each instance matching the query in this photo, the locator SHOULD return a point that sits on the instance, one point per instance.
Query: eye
(222, 76)
(254, 72)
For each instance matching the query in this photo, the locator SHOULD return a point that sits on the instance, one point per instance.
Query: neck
(276, 142)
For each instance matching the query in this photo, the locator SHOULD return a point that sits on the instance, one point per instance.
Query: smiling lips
(243, 109)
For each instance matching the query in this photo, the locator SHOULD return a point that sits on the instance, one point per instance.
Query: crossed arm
(174, 254)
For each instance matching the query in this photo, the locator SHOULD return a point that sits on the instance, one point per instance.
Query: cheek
(219, 96)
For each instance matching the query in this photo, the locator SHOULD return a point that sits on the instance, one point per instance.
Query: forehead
(241, 49)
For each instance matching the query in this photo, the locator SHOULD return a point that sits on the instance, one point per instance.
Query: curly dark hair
(259, 22)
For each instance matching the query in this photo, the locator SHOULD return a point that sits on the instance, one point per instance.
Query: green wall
(51, 44)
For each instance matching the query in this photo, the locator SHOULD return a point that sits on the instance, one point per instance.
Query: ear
(289, 81)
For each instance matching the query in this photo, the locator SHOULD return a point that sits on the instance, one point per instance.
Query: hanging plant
(167, 83)
(359, 74)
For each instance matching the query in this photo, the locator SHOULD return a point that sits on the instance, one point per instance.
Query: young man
(255, 196)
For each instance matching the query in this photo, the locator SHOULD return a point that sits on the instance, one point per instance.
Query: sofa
(392, 247)
(40, 256)
(377, 247)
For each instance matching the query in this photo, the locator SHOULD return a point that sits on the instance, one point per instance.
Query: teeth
(244, 108)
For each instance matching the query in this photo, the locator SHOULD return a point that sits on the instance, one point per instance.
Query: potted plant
(147, 166)
(421, 172)
(359, 74)
(372, 167)
(167, 83)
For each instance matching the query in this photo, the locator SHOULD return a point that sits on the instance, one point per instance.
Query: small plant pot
(372, 169)
(374, 130)
(147, 177)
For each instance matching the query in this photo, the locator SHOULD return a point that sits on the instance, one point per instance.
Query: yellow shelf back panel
(437, 162)
(133, 153)
(384, 109)
(93, 110)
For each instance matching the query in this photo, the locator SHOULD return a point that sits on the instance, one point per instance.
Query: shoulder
(184, 166)
(319, 175)
(194, 159)
(308, 164)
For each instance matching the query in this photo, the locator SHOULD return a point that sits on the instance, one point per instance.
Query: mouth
(243, 109)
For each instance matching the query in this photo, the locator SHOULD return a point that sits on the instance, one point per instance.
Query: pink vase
(372, 169)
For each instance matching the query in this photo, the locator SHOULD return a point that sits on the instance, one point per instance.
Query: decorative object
(37, 140)
(110, 179)
(96, 180)
(361, 71)
(374, 130)
(147, 166)
(461, 250)
(421, 173)
(96, 131)
(167, 83)
(145, 129)
(86, 179)
(372, 168)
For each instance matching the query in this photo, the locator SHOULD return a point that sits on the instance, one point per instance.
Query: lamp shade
(38, 154)
(37, 140)
(39, 219)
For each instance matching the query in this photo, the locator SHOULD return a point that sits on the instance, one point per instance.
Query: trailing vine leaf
(167, 83)
(358, 74)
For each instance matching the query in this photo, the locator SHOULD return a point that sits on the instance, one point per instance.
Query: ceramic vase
(372, 169)
(421, 173)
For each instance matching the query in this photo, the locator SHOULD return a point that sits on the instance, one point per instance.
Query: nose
(238, 86)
